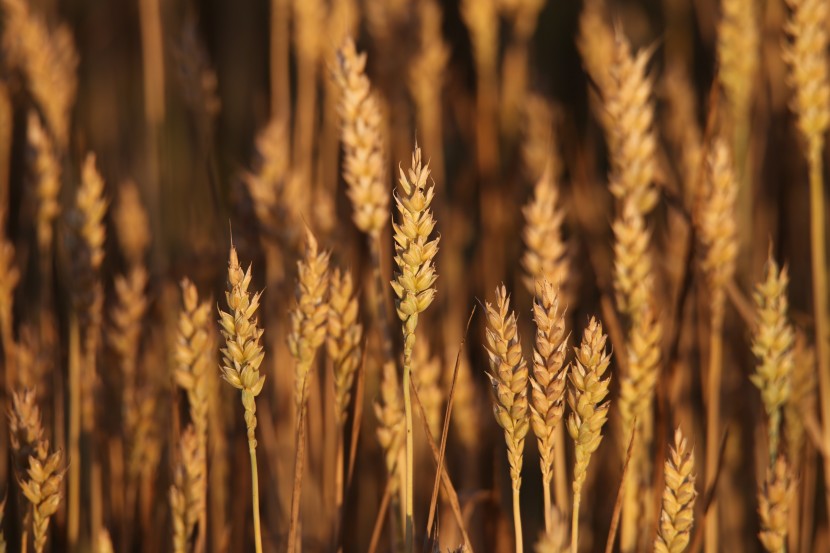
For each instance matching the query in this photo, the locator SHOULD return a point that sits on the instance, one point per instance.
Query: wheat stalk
(508, 376)
(773, 346)
(589, 411)
(807, 59)
(773, 505)
(547, 381)
(679, 495)
(414, 286)
(241, 359)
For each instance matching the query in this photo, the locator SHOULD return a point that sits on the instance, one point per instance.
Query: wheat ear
(241, 359)
(807, 59)
(589, 411)
(187, 494)
(414, 287)
(547, 381)
(47, 171)
(508, 376)
(679, 495)
(427, 380)
(773, 505)
(773, 346)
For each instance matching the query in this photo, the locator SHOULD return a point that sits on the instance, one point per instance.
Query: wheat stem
(713, 387)
(74, 503)
(410, 451)
(255, 494)
(575, 522)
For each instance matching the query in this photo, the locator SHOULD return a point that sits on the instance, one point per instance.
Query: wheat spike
(773, 346)
(25, 428)
(414, 251)
(715, 216)
(482, 20)
(365, 160)
(309, 317)
(596, 45)
(508, 376)
(633, 272)
(679, 494)
(131, 224)
(47, 173)
(546, 254)
(193, 355)
(802, 398)
(643, 363)
(632, 140)
(242, 354)
(104, 542)
(548, 377)
(773, 506)
(585, 396)
(49, 60)
(345, 335)
(540, 148)
(807, 58)
(681, 125)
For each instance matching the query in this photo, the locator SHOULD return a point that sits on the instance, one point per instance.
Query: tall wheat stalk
(241, 359)
(414, 287)
(807, 59)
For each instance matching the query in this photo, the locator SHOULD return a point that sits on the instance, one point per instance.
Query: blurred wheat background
(460, 275)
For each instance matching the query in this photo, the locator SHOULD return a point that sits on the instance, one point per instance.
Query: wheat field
(459, 275)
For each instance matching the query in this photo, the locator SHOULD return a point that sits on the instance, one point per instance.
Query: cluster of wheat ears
(648, 357)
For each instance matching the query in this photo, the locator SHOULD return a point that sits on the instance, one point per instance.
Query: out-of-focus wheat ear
(47, 173)
(309, 317)
(103, 543)
(807, 59)
(547, 381)
(546, 254)
(738, 53)
(132, 224)
(681, 126)
(802, 400)
(773, 346)
(48, 59)
(241, 359)
(345, 334)
(427, 380)
(9, 277)
(589, 410)
(774, 499)
(188, 494)
(596, 47)
(25, 428)
(508, 377)
(390, 414)
(364, 165)
(426, 83)
(540, 147)
(677, 516)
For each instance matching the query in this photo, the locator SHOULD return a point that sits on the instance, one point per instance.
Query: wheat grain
(547, 380)
(508, 377)
(773, 505)
(589, 411)
(773, 346)
(679, 494)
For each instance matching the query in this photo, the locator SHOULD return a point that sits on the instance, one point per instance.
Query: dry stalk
(589, 411)
(241, 359)
(508, 376)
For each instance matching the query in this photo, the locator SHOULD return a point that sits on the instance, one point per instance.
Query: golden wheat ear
(677, 515)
